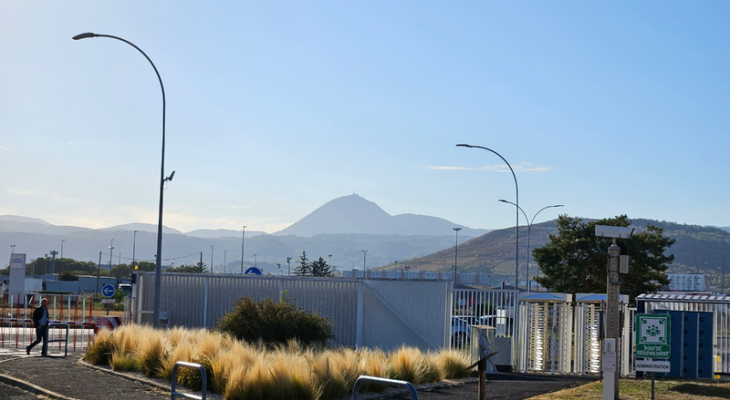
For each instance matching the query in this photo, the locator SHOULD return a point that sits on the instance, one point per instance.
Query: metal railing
(383, 381)
(203, 377)
(65, 338)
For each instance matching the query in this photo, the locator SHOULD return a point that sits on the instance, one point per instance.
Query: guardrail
(65, 340)
(203, 377)
(384, 381)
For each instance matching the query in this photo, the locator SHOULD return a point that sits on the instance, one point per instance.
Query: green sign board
(653, 335)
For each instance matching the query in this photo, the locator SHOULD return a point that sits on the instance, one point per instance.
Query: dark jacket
(38, 314)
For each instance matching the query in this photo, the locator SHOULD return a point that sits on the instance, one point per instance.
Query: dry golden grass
(242, 370)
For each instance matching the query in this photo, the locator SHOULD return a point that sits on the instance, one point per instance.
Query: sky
(275, 108)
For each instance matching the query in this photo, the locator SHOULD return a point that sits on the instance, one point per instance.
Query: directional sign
(653, 334)
(108, 290)
(652, 366)
(108, 301)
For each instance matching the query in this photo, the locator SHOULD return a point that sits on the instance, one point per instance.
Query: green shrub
(274, 323)
(191, 378)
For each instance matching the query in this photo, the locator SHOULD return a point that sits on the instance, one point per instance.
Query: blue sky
(275, 108)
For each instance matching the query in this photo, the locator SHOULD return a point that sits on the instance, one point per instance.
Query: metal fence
(374, 313)
(16, 324)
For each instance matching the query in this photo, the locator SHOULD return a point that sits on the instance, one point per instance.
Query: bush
(101, 349)
(275, 323)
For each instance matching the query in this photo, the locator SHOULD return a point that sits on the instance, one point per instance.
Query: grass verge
(634, 389)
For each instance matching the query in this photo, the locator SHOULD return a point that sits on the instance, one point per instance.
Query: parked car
(460, 332)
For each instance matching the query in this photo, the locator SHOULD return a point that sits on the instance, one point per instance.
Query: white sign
(609, 355)
(108, 301)
(17, 275)
(652, 366)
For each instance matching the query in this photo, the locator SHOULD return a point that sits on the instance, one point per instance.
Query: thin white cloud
(23, 192)
(231, 207)
(522, 167)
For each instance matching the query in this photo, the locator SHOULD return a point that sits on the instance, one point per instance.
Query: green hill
(698, 249)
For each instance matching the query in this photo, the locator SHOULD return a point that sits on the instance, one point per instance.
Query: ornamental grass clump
(257, 370)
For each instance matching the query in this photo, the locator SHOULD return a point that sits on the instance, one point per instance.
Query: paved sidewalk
(65, 378)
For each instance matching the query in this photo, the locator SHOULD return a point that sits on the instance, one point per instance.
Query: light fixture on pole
(158, 269)
(288, 266)
(529, 232)
(456, 250)
(243, 246)
(517, 213)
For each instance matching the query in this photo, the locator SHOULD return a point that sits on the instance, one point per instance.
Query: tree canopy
(576, 261)
(198, 268)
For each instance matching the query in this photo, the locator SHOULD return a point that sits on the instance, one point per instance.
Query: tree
(304, 267)
(199, 268)
(575, 261)
(320, 268)
(68, 276)
(123, 271)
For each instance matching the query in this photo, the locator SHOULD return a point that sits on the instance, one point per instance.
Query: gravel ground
(8, 392)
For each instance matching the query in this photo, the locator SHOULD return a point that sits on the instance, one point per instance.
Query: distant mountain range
(341, 228)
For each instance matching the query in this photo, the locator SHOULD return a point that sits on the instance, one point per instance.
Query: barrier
(110, 323)
(384, 381)
(203, 377)
(65, 354)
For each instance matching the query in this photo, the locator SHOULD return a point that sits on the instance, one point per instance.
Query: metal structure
(383, 381)
(718, 304)
(372, 313)
(545, 330)
(173, 381)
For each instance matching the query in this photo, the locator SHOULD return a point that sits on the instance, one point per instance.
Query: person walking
(40, 322)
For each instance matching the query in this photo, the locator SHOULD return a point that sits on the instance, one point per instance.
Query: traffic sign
(653, 336)
(652, 366)
(108, 290)
(108, 301)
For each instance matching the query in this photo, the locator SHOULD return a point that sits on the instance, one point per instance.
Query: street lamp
(517, 213)
(134, 248)
(12, 249)
(111, 250)
(211, 259)
(456, 250)
(243, 244)
(364, 258)
(254, 260)
(288, 266)
(529, 231)
(158, 269)
(723, 273)
(60, 260)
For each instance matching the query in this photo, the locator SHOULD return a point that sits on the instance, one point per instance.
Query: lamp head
(84, 35)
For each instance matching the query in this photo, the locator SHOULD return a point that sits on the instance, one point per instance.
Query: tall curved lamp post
(529, 231)
(517, 212)
(158, 269)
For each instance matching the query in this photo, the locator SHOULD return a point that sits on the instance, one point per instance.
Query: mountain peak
(355, 214)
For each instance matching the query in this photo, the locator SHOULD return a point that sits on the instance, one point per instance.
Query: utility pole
(211, 258)
(225, 256)
(200, 264)
(288, 266)
(364, 258)
(723, 273)
(243, 246)
(98, 274)
(456, 251)
(60, 260)
(111, 250)
(53, 261)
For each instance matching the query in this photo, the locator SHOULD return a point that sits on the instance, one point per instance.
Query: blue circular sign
(253, 270)
(108, 290)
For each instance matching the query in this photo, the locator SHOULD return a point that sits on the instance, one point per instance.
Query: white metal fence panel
(371, 313)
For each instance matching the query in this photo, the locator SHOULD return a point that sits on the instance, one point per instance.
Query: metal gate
(494, 308)
(545, 333)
